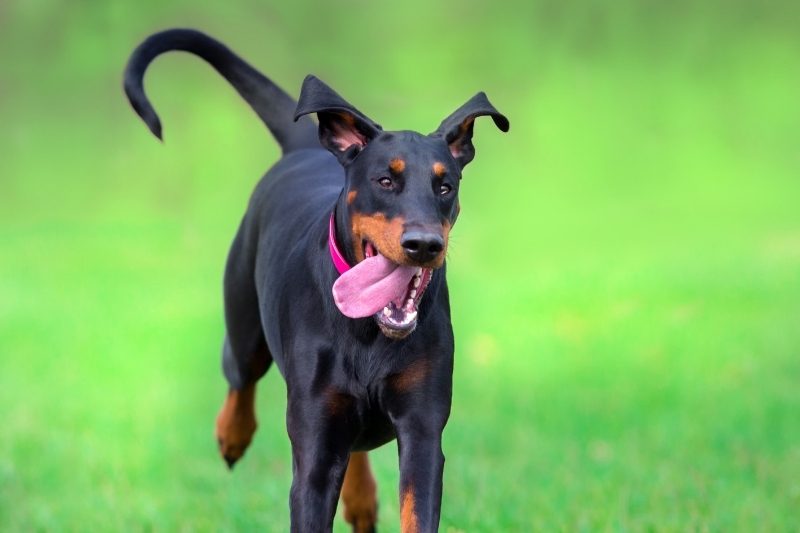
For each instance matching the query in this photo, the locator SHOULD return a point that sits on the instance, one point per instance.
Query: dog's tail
(270, 102)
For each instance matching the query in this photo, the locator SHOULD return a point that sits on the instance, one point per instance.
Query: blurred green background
(625, 275)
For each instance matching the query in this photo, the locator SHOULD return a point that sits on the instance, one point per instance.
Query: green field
(625, 273)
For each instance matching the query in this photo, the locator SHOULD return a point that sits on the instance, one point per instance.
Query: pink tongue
(369, 286)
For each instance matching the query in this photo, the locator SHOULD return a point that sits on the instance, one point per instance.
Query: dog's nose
(422, 246)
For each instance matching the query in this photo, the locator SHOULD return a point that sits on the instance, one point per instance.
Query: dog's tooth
(411, 316)
(419, 271)
(417, 281)
(387, 311)
(413, 293)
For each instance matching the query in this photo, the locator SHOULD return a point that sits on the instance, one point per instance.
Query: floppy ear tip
(501, 122)
(499, 119)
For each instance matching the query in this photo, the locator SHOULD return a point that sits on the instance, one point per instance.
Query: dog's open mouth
(398, 318)
(383, 289)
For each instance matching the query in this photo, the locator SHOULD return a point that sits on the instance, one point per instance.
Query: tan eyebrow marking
(439, 169)
(397, 165)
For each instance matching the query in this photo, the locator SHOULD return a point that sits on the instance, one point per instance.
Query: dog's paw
(236, 425)
(363, 523)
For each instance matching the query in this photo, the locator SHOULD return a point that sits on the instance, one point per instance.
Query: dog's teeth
(412, 294)
(411, 316)
(409, 302)
(387, 312)
(419, 271)
(417, 281)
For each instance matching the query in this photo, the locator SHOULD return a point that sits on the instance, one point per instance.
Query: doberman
(337, 274)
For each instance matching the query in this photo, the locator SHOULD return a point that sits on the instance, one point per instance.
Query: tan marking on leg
(359, 494)
(351, 196)
(439, 170)
(408, 518)
(236, 423)
(397, 165)
(410, 377)
(383, 232)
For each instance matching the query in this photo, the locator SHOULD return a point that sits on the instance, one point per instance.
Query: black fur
(278, 279)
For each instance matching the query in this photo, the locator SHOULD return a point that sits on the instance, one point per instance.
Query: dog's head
(401, 187)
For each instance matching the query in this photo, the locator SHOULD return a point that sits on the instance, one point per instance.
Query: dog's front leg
(320, 429)
(417, 399)
(419, 441)
(421, 467)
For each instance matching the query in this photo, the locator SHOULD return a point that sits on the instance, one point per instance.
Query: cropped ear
(456, 130)
(343, 129)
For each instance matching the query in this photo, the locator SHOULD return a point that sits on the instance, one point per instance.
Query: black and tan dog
(337, 275)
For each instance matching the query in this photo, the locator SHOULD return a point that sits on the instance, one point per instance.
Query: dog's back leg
(359, 494)
(245, 356)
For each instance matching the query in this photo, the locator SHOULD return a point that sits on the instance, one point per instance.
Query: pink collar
(336, 256)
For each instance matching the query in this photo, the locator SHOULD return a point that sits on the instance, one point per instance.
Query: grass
(624, 275)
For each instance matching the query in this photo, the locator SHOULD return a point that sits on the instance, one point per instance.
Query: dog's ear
(456, 130)
(343, 129)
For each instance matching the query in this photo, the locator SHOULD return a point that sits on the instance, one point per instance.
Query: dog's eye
(385, 182)
(445, 189)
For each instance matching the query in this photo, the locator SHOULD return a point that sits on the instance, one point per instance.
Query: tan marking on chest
(411, 376)
(338, 402)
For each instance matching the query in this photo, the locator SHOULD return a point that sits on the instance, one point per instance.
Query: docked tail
(273, 105)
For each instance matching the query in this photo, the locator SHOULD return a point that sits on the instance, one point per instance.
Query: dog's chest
(376, 430)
